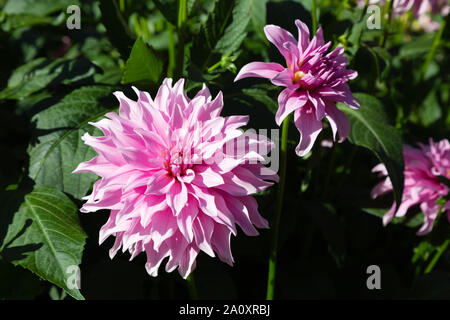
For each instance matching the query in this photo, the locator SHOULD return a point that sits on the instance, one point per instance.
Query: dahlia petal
(136, 158)
(235, 122)
(221, 243)
(303, 35)
(142, 95)
(319, 105)
(163, 96)
(211, 109)
(380, 169)
(185, 220)
(289, 101)
(154, 204)
(388, 216)
(381, 188)
(96, 165)
(187, 263)
(163, 226)
(203, 228)
(177, 197)
(159, 183)
(229, 163)
(242, 217)
(207, 177)
(154, 258)
(259, 69)
(178, 246)
(338, 122)
(430, 209)
(108, 199)
(126, 106)
(176, 118)
(279, 36)
(105, 148)
(319, 37)
(117, 244)
(340, 93)
(284, 79)
(242, 182)
(295, 53)
(309, 128)
(252, 209)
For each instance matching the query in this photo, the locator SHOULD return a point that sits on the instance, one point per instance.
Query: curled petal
(266, 70)
(309, 127)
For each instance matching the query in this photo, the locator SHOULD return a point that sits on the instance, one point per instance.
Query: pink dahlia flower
(314, 81)
(422, 168)
(176, 176)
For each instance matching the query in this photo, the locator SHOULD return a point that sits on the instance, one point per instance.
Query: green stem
(436, 257)
(366, 5)
(171, 39)
(276, 223)
(314, 16)
(181, 26)
(192, 287)
(387, 24)
(433, 49)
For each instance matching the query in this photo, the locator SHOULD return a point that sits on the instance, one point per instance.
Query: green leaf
(40, 8)
(41, 73)
(223, 32)
(430, 111)
(142, 65)
(45, 237)
(235, 32)
(60, 148)
(258, 16)
(169, 9)
(386, 57)
(17, 21)
(417, 47)
(261, 95)
(116, 27)
(370, 128)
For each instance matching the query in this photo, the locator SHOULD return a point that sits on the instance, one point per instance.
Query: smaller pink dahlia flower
(176, 176)
(422, 168)
(314, 81)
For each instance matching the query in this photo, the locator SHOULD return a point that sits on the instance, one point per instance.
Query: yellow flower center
(298, 76)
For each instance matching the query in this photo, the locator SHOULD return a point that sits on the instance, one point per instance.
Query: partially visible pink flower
(176, 176)
(314, 81)
(421, 10)
(422, 168)
(399, 7)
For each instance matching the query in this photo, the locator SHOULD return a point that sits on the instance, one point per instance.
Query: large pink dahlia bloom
(314, 81)
(422, 168)
(176, 176)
